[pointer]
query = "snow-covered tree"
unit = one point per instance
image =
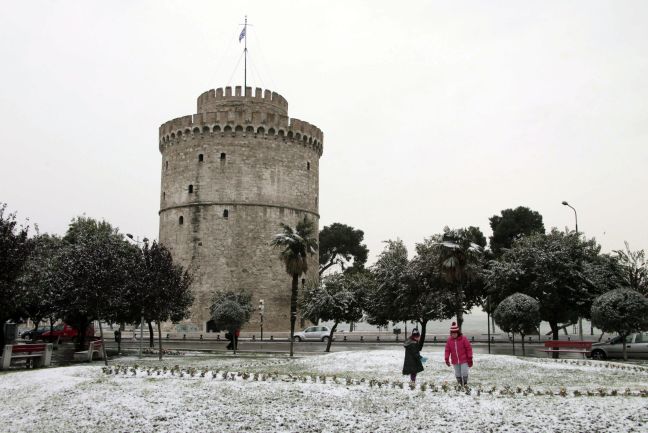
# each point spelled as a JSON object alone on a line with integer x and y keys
{"x": 519, "y": 314}
{"x": 404, "y": 290}
{"x": 35, "y": 291}
{"x": 89, "y": 274}
{"x": 634, "y": 269}
{"x": 14, "y": 250}
{"x": 296, "y": 245}
{"x": 461, "y": 260}
{"x": 560, "y": 270}
{"x": 338, "y": 298}
{"x": 230, "y": 310}
{"x": 389, "y": 281}
{"x": 164, "y": 291}
{"x": 623, "y": 311}
{"x": 428, "y": 295}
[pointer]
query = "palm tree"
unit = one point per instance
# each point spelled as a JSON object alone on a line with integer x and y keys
{"x": 296, "y": 245}
{"x": 460, "y": 265}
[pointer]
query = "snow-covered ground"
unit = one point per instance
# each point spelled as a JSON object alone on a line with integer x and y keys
{"x": 343, "y": 391}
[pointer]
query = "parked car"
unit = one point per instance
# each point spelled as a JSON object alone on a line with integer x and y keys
{"x": 31, "y": 334}
{"x": 313, "y": 333}
{"x": 65, "y": 332}
{"x": 636, "y": 347}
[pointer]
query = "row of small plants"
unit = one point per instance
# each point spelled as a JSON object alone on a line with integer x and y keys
{"x": 599, "y": 364}
{"x": 506, "y": 390}
{"x": 165, "y": 352}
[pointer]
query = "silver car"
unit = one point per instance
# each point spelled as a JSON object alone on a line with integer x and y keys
{"x": 636, "y": 345}
{"x": 313, "y": 333}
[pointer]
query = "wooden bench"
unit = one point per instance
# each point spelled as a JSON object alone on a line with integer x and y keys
{"x": 94, "y": 346}
{"x": 562, "y": 346}
{"x": 36, "y": 355}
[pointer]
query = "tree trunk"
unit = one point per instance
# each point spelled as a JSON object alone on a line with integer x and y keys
{"x": 36, "y": 323}
{"x": 159, "y": 339}
{"x": 151, "y": 335}
{"x": 513, "y": 339}
{"x": 555, "y": 335}
{"x": 601, "y": 337}
{"x": 460, "y": 319}
{"x": 330, "y": 339}
{"x": 625, "y": 353}
{"x": 3, "y": 320}
{"x": 82, "y": 327}
{"x": 421, "y": 342}
{"x": 523, "y": 352}
{"x": 293, "y": 309}
{"x": 232, "y": 332}
{"x": 103, "y": 344}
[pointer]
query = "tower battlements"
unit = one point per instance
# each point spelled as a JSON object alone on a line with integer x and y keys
{"x": 263, "y": 113}
{"x": 222, "y": 99}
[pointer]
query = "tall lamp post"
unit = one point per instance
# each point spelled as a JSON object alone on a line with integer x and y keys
{"x": 580, "y": 319}
{"x": 137, "y": 241}
{"x": 575, "y": 214}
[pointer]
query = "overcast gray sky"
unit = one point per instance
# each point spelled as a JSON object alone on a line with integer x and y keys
{"x": 434, "y": 113}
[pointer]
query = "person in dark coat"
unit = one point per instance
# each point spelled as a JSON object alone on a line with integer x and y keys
{"x": 412, "y": 364}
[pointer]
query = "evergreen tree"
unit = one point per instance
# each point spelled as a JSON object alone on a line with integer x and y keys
{"x": 560, "y": 270}
{"x": 338, "y": 298}
{"x": 14, "y": 251}
{"x": 296, "y": 245}
{"x": 520, "y": 314}
{"x": 511, "y": 225}
{"x": 340, "y": 244}
{"x": 623, "y": 311}
{"x": 231, "y": 310}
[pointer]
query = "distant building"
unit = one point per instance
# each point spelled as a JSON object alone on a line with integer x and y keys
{"x": 230, "y": 174}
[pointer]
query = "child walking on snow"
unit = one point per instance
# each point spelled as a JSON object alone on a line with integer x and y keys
{"x": 459, "y": 351}
{"x": 412, "y": 364}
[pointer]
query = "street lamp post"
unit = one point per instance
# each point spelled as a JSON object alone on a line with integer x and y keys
{"x": 575, "y": 214}
{"x": 137, "y": 241}
{"x": 580, "y": 319}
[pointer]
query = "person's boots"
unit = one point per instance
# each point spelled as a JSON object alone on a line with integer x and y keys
{"x": 459, "y": 381}
{"x": 465, "y": 380}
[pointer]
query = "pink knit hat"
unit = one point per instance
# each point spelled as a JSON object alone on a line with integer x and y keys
{"x": 454, "y": 328}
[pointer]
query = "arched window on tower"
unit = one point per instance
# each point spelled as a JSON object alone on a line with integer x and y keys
{"x": 223, "y": 156}
{"x": 225, "y": 214}
{"x": 166, "y": 165}
{"x": 308, "y": 165}
{"x": 200, "y": 157}
{"x": 181, "y": 220}
{"x": 190, "y": 189}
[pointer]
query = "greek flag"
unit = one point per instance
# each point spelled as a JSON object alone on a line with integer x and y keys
{"x": 242, "y": 35}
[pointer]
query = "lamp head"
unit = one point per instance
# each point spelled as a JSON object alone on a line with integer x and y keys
{"x": 128, "y": 235}
{"x": 565, "y": 203}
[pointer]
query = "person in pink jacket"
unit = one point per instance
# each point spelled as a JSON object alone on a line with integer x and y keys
{"x": 459, "y": 351}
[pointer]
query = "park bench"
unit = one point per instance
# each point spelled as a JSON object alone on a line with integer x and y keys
{"x": 94, "y": 346}
{"x": 36, "y": 355}
{"x": 561, "y": 346}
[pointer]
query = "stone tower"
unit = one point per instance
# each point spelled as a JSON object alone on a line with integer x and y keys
{"x": 230, "y": 174}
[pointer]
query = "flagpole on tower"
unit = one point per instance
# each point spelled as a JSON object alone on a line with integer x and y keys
{"x": 245, "y": 60}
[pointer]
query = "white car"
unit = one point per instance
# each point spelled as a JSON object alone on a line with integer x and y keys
{"x": 636, "y": 346}
{"x": 313, "y": 333}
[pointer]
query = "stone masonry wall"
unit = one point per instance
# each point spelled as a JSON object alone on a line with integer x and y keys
{"x": 232, "y": 181}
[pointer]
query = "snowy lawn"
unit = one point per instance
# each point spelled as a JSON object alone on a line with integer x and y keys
{"x": 342, "y": 391}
